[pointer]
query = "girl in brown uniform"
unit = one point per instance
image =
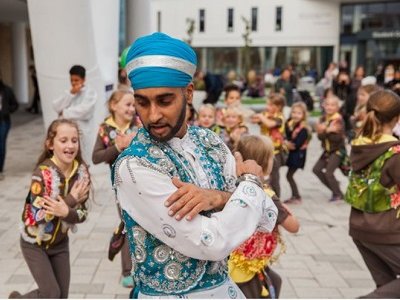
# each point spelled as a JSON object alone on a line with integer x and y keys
{"x": 330, "y": 130}
{"x": 374, "y": 194}
{"x": 115, "y": 134}
{"x": 55, "y": 203}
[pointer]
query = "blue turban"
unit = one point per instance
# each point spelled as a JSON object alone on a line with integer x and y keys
{"x": 158, "y": 60}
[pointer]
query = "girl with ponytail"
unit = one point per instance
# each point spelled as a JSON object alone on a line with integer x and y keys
{"x": 374, "y": 193}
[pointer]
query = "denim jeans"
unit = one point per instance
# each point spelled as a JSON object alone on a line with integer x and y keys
{"x": 4, "y": 128}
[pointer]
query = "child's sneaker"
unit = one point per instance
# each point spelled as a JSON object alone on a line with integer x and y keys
{"x": 336, "y": 199}
{"x": 14, "y": 295}
{"x": 293, "y": 200}
{"x": 127, "y": 282}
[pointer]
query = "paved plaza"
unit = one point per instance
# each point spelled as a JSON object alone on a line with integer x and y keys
{"x": 321, "y": 261}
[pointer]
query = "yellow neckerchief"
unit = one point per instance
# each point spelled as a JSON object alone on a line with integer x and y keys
{"x": 110, "y": 121}
{"x": 75, "y": 165}
{"x": 336, "y": 115}
{"x": 328, "y": 119}
{"x": 292, "y": 124}
{"x": 362, "y": 140}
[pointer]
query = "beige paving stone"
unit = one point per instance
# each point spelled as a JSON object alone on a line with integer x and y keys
{"x": 321, "y": 261}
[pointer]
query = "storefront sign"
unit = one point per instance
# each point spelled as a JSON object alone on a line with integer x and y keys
{"x": 385, "y": 34}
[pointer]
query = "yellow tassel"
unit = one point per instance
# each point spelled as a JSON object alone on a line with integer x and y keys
{"x": 398, "y": 213}
{"x": 264, "y": 292}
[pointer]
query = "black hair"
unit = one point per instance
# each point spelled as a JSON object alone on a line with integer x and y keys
{"x": 78, "y": 70}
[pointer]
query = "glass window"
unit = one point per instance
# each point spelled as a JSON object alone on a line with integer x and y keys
{"x": 375, "y": 16}
{"x": 202, "y": 20}
{"x": 392, "y": 17}
{"x": 278, "y": 19}
{"x": 222, "y": 60}
{"x": 347, "y": 19}
{"x": 230, "y": 19}
{"x": 254, "y": 13}
{"x": 255, "y": 59}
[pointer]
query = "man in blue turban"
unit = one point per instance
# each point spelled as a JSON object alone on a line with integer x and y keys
{"x": 171, "y": 162}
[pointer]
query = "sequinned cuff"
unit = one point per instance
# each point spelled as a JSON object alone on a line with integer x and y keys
{"x": 246, "y": 194}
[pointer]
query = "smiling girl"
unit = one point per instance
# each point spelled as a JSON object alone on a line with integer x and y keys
{"x": 55, "y": 203}
{"x": 115, "y": 134}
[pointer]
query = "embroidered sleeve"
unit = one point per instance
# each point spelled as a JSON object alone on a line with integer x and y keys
{"x": 142, "y": 191}
{"x": 103, "y": 150}
{"x": 76, "y": 215}
{"x": 41, "y": 185}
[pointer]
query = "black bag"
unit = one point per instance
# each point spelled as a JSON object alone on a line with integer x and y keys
{"x": 117, "y": 241}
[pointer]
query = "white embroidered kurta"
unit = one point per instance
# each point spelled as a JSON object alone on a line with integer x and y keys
{"x": 142, "y": 192}
{"x": 80, "y": 108}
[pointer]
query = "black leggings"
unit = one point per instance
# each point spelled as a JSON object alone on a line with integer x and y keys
{"x": 292, "y": 183}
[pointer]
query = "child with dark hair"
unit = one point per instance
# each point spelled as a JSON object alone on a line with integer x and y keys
{"x": 55, "y": 203}
{"x": 78, "y": 104}
{"x": 374, "y": 194}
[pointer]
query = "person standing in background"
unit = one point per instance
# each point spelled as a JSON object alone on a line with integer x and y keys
{"x": 8, "y": 105}
{"x": 78, "y": 104}
{"x": 34, "y": 108}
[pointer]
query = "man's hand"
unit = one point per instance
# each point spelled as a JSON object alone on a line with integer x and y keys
{"x": 247, "y": 167}
{"x": 189, "y": 200}
{"x": 56, "y": 208}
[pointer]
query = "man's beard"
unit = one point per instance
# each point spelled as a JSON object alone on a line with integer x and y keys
{"x": 174, "y": 129}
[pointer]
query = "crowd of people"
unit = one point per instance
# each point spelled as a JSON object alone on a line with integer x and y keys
{"x": 183, "y": 239}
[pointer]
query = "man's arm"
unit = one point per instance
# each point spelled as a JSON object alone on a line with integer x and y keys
{"x": 142, "y": 192}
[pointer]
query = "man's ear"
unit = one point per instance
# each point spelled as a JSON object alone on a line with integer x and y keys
{"x": 189, "y": 93}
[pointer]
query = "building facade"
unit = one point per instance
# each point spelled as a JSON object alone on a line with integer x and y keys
{"x": 370, "y": 34}
{"x": 280, "y": 32}
{"x": 306, "y": 33}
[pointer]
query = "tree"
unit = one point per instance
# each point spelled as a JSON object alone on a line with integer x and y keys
{"x": 190, "y": 30}
{"x": 246, "y": 48}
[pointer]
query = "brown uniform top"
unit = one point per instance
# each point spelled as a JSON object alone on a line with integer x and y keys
{"x": 332, "y": 141}
{"x": 48, "y": 180}
{"x": 105, "y": 149}
{"x": 383, "y": 227}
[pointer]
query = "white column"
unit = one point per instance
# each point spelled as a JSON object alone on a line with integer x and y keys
{"x": 20, "y": 62}
{"x": 71, "y": 32}
{"x": 138, "y": 19}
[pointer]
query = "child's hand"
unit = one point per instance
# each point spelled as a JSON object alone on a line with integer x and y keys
{"x": 235, "y": 135}
{"x": 80, "y": 190}
{"x": 320, "y": 128}
{"x": 334, "y": 127}
{"x": 255, "y": 118}
{"x": 123, "y": 140}
{"x": 290, "y": 145}
{"x": 56, "y": 208}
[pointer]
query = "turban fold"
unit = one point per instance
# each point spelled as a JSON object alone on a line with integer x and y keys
{"x": 158, "y": 60}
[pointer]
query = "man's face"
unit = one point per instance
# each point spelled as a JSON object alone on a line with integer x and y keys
{"x": 163, "y": 111}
